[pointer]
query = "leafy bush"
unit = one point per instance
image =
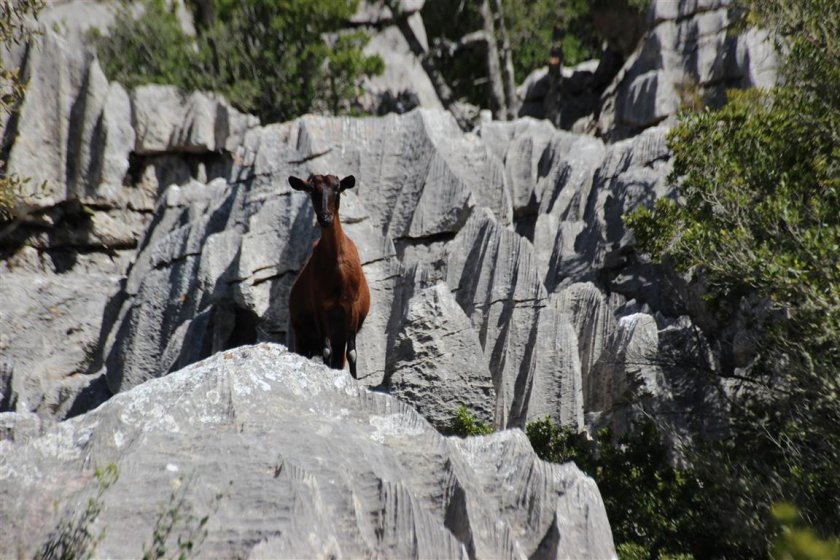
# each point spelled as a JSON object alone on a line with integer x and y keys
{"x": 465, "y": 424}
{"x": 276, "y": 58}
{"x": 652, "y": 506}
{"x": 798, "y": 542}
{"x": 757, "y": 224}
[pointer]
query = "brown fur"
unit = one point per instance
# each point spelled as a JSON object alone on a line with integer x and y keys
{"x": 330, "y": 297}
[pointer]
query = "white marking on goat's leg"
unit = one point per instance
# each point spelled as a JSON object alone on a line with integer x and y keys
{"x": 327, "y": 350}
{"x": 351, "y": 356}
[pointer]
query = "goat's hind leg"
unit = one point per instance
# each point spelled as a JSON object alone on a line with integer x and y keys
{"x": 351, "y": 355}
{"x": 327, "y": 352}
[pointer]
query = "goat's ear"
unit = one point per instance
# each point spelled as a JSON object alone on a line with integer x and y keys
{"x": 348, "y": 182}
{"x": 299, "y": 184}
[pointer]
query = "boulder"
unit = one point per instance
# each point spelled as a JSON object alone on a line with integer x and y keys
{"x": 436, "y": 362}
{"x": 521, "y": 145}
{"x": 285, "y": 458}
{"x": 51, "y": 139}
{"x": 404, "y": 84}
{"x": 492, "y": 272}
{"x": 632, "y": 173}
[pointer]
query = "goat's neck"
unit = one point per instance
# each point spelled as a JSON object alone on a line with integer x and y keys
{"x": 332, "y": 240}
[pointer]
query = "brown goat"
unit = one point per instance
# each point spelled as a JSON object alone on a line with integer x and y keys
{"x": 330, "y": 297}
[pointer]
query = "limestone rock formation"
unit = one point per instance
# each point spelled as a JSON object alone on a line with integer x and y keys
{"x": 288, "y": 459}
{"x": 688, "y": 56}
{"x": 502, "y": 276}
{"x": 436, "y": 361}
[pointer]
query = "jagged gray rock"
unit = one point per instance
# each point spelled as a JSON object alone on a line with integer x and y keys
{"x": 290, "y": 446}
{"x": 520, "y": 144}
{"x": 403, "y": 85}
{"x": 419, "y": 174}
{"x": 167, "y": 120}
{"x": 238, "y": 245}
{"x": 57, "y": 120}
{"x": 493, "y": 273}
{"x": 688, "y": 52}
{"x": 49, "y": 325}
{"x": 593, "y": 323}
{"x": 632, "y": 173}
{"x": 436, "y": 361}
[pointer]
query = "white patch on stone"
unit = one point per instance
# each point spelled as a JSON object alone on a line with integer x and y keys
{"x": 392, "y": 425}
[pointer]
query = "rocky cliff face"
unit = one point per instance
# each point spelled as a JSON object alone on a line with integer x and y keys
{"x": 287, "y": 459}
{"x": 502, "y": 248}
{"x": 687, "y": 55}
{"x": 160, "y": 231}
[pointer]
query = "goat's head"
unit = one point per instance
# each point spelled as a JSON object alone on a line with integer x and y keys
{"x": 325, "y": 191}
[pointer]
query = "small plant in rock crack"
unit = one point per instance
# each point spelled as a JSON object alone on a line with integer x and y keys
{"x": 179, "y": 518}
{"x": 74, "y": 538}
{"x": 464, "y": 424}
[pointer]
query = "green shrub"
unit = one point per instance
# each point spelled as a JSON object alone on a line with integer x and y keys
{"x": 652, "y": 506}
{"x": 757, "y": 225}
{"x": 464, "y": 424}
{"x": 797, "y": 541}
{"x": 277, "y": 59}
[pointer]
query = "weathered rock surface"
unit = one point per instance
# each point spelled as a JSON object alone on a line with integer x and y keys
{"x": 304, "y": 464}
{"x": 489, "y": 254}
{"x": 687, "y": 56}
{"x": 169, "y": 121}
{"x": 436, "y": 361}
{"x": 404, "y": 83}
{"x": 82, "y": 212}
{"x": 49, "y": 329}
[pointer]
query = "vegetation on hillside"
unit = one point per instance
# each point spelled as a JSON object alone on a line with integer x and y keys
{"x": 757, "y": 224}
{"x": 534, "y": 28}
{"x": 277, "y": 59}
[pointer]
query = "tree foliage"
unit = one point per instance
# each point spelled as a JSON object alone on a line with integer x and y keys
{"x": 654, "y": 508}
{"x": 530, "y": 25}
{"x": 276, "y": 58}
{"x": 533, "y": 27}
{"x": 757, "y": 224}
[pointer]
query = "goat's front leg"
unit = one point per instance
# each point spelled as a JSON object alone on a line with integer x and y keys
{"x": 327, "y": 353}
{"x": 351, "y": 355}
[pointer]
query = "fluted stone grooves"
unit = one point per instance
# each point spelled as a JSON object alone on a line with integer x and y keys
{"x": 492, "y": 273}
{"x": 436, "y": 361}
{"x": 418, "y": 174}
{"x": 689, "y": 51}
{"x": 305, "y": 464}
